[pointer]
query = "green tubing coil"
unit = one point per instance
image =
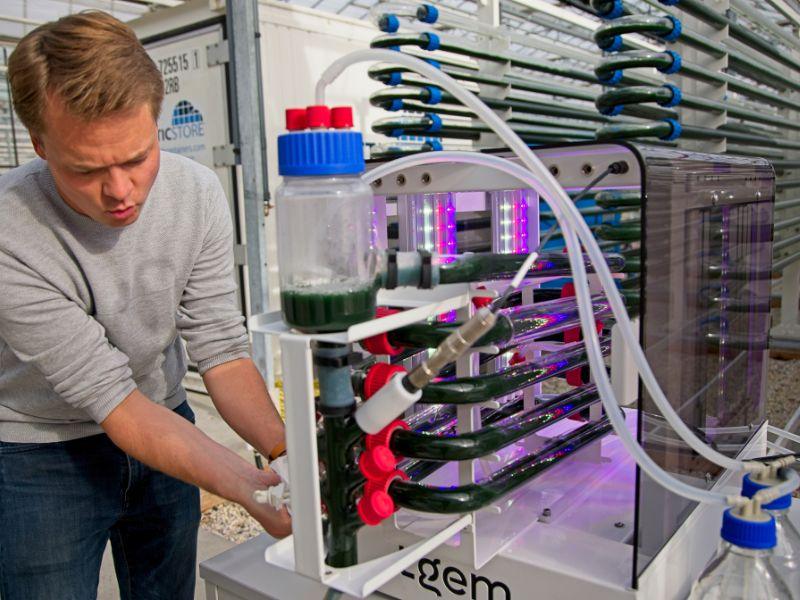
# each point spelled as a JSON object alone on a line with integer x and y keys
{"x": 632, "y": 265}
{"x": 430, "y": 335}
{"x": 493, "y": 437}
{"x": 421, "y": 40}
{"x": 474, "y": 496}
{"x": 618, "y": 198}
{"x": 625, "y": 231}
{"x": 472, "y": 390}
{"x": 514, "y": 325}
{"x": 490, "y": 266}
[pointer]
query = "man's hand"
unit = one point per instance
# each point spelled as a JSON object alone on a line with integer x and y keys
{"x": 169, "y": 443}
{"x": 278, "y": 523}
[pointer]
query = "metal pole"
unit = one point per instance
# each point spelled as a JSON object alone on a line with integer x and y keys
{"x": 250, "y": 141}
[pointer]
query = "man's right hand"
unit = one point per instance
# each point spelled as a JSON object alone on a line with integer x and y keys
{"x": 277, "y": 523}
{"x": 171, "y": 444}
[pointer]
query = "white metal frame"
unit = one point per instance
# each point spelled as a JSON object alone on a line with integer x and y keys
{"x": 303, "y": 551}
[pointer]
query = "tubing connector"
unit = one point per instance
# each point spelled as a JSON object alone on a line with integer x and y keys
{"x": 376, "y": 505}
{"x": 379, "y": 344}
{"x": 413, "y": 269}
{"x": 615, "y": 11}
{"x": 389, "y": 23}
{"x": 377, "y": 376}
{"x": 454, "y": 345}
{"x": 389, "y": 402}
{"x": 428, "y": 13}
{"x": 384, "y": 436}
{"x": 377, "y": 462}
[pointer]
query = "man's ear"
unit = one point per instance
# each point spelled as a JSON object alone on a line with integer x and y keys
{"x": 38, "y": 146}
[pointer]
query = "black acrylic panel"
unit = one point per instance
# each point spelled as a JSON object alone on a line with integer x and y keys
{"x": 707, "y": 252}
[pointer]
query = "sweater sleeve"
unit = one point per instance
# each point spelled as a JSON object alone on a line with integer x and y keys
{"x": 45, "y": 328}
{"x": 209, "y": 319}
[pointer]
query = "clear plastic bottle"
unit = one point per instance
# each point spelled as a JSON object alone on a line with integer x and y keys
{"x": 327, "y": 267}
{"x": 741, "y": 569}
{"x": 786, "y": 557}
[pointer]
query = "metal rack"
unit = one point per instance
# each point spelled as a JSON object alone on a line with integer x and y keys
{"x": 717, "y": 76}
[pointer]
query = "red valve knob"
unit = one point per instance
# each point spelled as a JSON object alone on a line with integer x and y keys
{"x": 341, "y": 117}
{"x": 377, "y": 462}
{"x": 318, "y": 116}
{"x": 374, "y": 507}
{"x": 379, "y": 375}
{"x": 296, "y": 119}
{"x": 380, "y": 344}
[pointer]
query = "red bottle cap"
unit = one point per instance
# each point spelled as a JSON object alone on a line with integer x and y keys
{"x": 318, "y": 117}
{"x": 341, "y": 117}
{"x": 379, "y": 375}
{"x": 296, "y": 119}
{"x": 384, "y": 435}
{"x": 377, "y": 462}
{"x": 379, "y": 344}
{"x": 374, "y": 507}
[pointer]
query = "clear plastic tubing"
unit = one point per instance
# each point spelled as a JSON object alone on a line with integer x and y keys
{"x": 571, "y": 223}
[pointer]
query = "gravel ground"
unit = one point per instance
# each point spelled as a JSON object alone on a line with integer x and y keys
{"x": 230, "y": 521}
{"x": 233, "y": 523}
{"x": 783, "y": 391}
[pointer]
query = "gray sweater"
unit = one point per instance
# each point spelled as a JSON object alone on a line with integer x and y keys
{"x": 88, "y": 313}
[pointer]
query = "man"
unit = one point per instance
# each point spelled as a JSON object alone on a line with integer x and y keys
{"x": 110, "y": 253}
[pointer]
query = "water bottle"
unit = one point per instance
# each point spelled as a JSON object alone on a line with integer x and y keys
{"x": 328, "y": 271}
{"x": 741, "y": 568}
{"x": 786, "y": 557}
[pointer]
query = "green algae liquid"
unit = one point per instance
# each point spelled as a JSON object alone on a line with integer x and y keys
{"x": 328, "y": 308}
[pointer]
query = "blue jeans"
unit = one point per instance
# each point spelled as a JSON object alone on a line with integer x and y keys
{"x": 61, "y": 502}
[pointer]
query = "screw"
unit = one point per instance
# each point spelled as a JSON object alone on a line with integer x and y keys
{"x": 377, "y": 183}
{"x": 587, "y": 169}
{"x": 546, "y": 512}
{"x": 426, "y": 178}
{"x": 401, "y": 180}
{"x": 554, "y": 170}
{"x": 619, "y": 524}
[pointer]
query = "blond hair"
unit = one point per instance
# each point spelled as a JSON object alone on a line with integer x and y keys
{"x": 91, "y": 61}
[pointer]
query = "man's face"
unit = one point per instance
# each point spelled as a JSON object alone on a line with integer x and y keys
{"x": 103, "y": 168}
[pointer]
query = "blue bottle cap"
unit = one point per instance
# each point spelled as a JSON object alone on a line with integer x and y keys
{"x": 749, "y": 533}
{"x": 750, "y": 487}
{"x": 315, "y": 153}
